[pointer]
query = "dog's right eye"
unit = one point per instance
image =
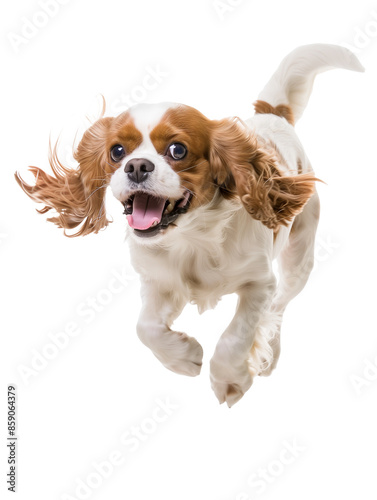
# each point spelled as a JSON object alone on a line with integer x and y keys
{"x": 177, "y": 151}
{"x": 117, "y": 152}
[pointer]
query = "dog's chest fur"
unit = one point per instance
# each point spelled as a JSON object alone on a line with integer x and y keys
{"x": 214, "y": 251}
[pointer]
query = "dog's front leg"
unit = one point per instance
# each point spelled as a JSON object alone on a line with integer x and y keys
{"x": 231, "y": 376}
{"x": 176, "y": 350}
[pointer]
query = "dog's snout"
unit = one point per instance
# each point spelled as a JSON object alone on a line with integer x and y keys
{"x": 138, "y": 169}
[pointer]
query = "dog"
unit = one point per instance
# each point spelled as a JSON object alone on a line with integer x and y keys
{"x": 210, "y": 204}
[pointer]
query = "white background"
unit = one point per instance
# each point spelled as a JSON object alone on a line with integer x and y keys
{"x": 74, "y": 412}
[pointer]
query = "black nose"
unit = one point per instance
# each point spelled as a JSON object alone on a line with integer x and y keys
{"x": 138, "y": 169}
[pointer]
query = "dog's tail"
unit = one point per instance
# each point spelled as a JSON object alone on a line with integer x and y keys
{"x": 288, "y": 90}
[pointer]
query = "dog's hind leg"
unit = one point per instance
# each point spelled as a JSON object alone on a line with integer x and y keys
{"x": 295, "y": 265}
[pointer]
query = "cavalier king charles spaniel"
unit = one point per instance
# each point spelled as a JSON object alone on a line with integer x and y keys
{"x": 210, "y": 204}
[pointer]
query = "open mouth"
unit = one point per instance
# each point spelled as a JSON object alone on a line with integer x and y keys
{"x": 148, "y": 214}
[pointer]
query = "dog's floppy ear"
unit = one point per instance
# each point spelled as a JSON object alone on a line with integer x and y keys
{"x": 241, "y": 167}
{"x": 77, "y": 195}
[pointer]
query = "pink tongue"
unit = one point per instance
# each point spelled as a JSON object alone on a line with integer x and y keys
{"x": 146, "y": 210}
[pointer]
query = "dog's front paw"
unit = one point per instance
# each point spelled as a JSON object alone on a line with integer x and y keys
{"x": 227, "y": 392}
{"x": 182, "y": 354}
{"x": 177, "y": 351}
{"x": 228, "y": 383}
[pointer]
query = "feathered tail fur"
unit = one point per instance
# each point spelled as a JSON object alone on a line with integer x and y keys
{"x": 291, "y": 84}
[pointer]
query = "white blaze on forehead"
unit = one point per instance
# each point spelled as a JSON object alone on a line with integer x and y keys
{"x": 147, "y": 116}
{"x": 163, "y": 182}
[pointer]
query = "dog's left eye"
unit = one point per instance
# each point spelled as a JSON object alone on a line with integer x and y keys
{"x": 117, "y": 152}
{"x": 177, "y": 151}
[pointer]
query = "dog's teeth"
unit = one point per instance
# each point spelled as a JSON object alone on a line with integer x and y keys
{"x": 154, "y": 223}
{"x": 170, "y": 207}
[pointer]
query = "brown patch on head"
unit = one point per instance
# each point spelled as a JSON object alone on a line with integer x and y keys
{"x": 124, "y": 132}
{"x": 282, "y": 110}
{"x": 191, "y": 128}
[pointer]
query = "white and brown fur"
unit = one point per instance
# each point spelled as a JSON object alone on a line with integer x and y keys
{"x": 254, "y": 200}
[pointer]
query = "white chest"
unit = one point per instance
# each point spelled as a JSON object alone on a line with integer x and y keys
{"x": 203, "y": 263}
